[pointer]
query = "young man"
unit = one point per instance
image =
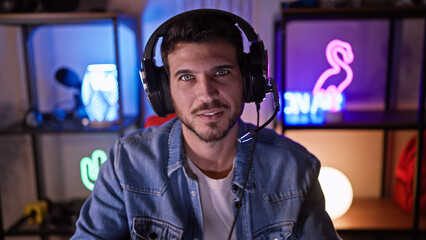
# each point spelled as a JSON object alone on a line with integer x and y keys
{"x": 185, "y": 179}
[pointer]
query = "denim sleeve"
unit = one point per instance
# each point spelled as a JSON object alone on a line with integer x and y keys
{"x": 103, "y": 215}
{"x": 314, "y": 222}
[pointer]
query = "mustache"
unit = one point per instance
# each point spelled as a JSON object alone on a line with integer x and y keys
{"x": 210, "y": 105}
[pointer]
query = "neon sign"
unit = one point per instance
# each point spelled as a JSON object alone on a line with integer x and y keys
{"x": 304, "y": 102}
{"x": 332, "y": 92}
{"x": 89, "y": 168}
{"x": 303, "y": 107}
{"x": 307, "y": 107}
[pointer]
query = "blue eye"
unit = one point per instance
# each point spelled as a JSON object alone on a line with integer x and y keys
{"x": 222, "y": 72}
{"x": 186, "y": 77}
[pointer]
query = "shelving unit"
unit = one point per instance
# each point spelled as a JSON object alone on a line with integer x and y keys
{"x": 377, "y": 217}
{"x": 28, "y": 23}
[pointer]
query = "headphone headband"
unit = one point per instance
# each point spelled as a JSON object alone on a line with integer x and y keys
{"x": 248, "y": 30}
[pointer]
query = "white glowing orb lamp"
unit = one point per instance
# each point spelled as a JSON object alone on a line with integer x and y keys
{"x": 99, "y": 93}
{"x": 337, "y": 190}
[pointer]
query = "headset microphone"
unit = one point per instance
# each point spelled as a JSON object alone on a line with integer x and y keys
{"x": 251, "y": 133}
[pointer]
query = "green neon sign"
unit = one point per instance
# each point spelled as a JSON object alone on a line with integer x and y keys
{"x": 89, "y": 168}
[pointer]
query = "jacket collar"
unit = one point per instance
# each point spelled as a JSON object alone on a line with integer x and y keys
{"x": 177, "y": 153}
{"x": 242, "y": 158}
{"x": 175, "y": 144}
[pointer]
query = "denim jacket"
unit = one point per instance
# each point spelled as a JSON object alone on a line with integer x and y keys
{"x": 145, "y": 190}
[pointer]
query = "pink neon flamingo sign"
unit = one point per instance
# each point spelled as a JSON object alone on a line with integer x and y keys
{"x": 337, "y": 63}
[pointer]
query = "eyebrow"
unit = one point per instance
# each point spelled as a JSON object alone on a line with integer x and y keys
{"x": 220, "y": 67}
{"x": 214, "y": 69}
{"x": 183, "y": 71}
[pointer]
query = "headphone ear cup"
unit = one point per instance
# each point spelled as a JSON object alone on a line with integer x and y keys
{"x": 155, "y": 82}
{"x": 247, "y": 85}
{"x": 165, "y": 86}
{"x": 254, "y": 69}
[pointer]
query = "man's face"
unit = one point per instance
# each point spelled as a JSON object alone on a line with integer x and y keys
{"x": 206, "y": 87}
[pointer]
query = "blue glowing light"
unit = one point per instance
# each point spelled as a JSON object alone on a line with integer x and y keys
{"x": 305, "y": 108}
{"x": 99, "y": 93}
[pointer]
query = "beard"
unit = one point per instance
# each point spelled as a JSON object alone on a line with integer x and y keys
{"x": 214, "y": 131}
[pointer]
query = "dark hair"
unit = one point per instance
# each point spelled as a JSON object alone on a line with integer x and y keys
{"x": 201, "y": 27}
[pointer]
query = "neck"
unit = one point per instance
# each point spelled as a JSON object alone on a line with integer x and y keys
{"x": 215, "y": 159}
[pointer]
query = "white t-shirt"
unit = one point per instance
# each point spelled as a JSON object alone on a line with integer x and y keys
{"x": 216, "y": 202}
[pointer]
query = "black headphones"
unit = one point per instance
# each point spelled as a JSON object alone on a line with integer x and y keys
{"x": 254, "y": 70}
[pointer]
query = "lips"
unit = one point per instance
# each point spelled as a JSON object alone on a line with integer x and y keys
{"x": 210, "y": 108}
{"x": 211, "y": 111}
{"x": 211, "y": 115}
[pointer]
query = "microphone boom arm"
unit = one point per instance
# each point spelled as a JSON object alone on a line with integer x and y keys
{"x": 250, "y": 134}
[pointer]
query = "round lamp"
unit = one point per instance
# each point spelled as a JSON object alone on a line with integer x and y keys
{"x": 337, "y": 190}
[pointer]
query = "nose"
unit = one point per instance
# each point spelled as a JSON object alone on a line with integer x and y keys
{"x": 206, "y": 89}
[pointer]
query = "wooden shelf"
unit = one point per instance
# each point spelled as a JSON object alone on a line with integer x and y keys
{"x": 376, "y": 214}
{"x": 57, "y": 18}
{"x": 28, "y": 23}
{"x": 354, "y": 13}
{"x": 68, "y": 126}
{"x": 363, "y": 120}
{"x": 60, "y": 220}
{"x": 367, "y": 217}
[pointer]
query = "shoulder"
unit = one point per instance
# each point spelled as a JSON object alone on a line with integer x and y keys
{"x": 285, "y": 148}
{"x": 278, "y": 147}
{"x": 149, "y": 133}
{"x": 145, "y": 155}
{"x": 153, "y": 141}
{"x": 283, "y": 168}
